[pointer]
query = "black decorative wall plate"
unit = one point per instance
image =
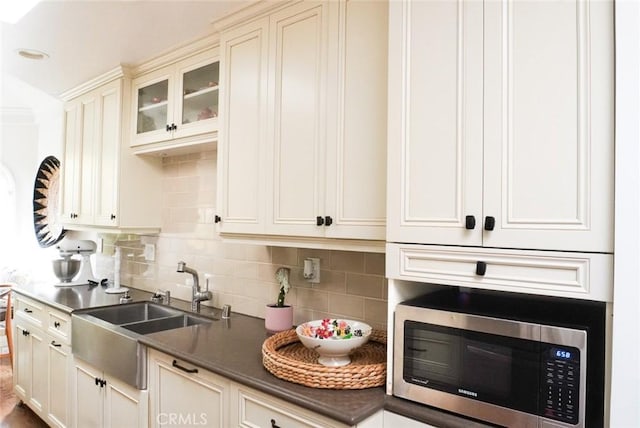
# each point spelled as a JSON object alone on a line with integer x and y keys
{"x": 48, "y": 228}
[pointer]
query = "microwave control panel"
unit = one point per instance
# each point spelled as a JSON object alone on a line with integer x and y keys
{"x": 560, "y": 383}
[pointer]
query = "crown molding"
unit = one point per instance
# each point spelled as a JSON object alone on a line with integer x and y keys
{"x": 115, "y": 73}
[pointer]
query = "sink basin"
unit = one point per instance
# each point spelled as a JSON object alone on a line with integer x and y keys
{"x": 170, "y": 323}
{"x": 107, "y": 337}
{"x": 132, "y": 312}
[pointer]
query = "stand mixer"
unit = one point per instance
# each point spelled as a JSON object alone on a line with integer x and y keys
{"x": 68, "y": 248}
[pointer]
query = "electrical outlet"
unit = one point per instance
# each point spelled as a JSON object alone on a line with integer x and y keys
{"x": 311, "y": 270}
{"x": 149, "y": 252}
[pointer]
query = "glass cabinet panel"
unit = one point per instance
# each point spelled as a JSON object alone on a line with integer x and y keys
{"x": 200, "y": 93}
{"x": 152, "y": 107}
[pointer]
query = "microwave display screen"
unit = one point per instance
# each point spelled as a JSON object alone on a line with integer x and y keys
{"x": 491, "y": 368}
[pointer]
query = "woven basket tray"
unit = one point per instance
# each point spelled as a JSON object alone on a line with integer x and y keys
{"x": 285, "y": 357}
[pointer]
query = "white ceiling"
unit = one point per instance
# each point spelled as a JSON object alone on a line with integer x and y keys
{"x": 85, "y": 38}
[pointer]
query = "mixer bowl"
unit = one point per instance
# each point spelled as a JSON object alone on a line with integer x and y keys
{"x": 66, "y": 269}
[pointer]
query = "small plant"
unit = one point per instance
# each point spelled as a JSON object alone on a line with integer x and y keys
{"x": 282, "y": 275}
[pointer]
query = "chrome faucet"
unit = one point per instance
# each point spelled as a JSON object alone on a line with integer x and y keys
{"x": 197, "y": 295}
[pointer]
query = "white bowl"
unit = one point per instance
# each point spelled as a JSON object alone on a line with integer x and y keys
{"x": 334, "y": 350}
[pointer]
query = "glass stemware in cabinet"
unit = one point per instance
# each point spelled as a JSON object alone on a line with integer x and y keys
{"x": 152, "y": 107}
{"x": 200, "y": 93}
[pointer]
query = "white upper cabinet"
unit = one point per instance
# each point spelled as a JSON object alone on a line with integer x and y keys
{"x": 243, "y": 118}
{"x": 357, "y": 162}
{"x": 177, "y": 104}
{"x": 296, "y": 124}
{"x": 501, "y": 124}
{"x": 104, "y": 185}
{"x": 303, "y": 123}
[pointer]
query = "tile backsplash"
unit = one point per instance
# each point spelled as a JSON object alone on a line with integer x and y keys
{"x": 352, "y": 284}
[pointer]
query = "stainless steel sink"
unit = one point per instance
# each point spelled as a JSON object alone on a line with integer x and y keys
{"x": 133, "y": 312}
{"x": 107, "y": 337}
{"x": 170, "y": 323}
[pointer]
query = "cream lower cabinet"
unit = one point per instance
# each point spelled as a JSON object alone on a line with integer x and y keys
{"x": 100, "y": 400}
{"x": 42, "y": 360}
{"x": 303, "y": 122}
{"x": 30, "y": 366}
{"x": 393, "y": 420}
{"x": 250, "y": 408}
{"x": 185, "y": 395}
{"x": 501, "y": 133}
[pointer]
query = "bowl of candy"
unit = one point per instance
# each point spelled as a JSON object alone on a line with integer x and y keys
{"x": 333, "y": 339}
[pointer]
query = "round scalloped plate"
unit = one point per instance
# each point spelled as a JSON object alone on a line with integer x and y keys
{"x": 46, "y": 221}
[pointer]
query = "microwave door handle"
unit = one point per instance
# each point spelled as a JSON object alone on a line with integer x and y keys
{"x": 485, "y": 353}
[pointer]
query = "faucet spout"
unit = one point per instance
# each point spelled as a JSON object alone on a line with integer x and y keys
{"x": 197, "y": 295}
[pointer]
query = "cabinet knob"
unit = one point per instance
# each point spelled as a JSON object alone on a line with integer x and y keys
{"x": 25, "y": 332}
{"x": 319, "y": 221}
{"x": 489, "y": 223}
{"x": 113, "y": 216}
{"x": 470, "y": 222}
{"x": 481, "y": 268}
{"x": 57, "y": 345}
{"x": 273, "y": 424}
{"x": 328, "y": 221}
{"x": 217, "y": 219}
{"x": 174, "y": 126}
{"x": 56, "y": 324}
{"x": 168, "y": 128}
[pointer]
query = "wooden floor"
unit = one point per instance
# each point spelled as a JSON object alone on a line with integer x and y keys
{"x": 12, "y": 413}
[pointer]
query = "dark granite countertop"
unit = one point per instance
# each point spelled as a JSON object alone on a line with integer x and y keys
{"x": 232, "y": 348}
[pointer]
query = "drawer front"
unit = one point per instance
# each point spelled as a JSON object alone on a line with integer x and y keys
{"x": 59, "y": 325}
{"x": 258, "y": 410}
{"x": 29, "y": 310}
{"x": 578, "y": 275}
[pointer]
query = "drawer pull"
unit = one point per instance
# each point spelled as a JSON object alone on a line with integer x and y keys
{"x": 27, "y": 310}
{"x": 184, "y": 369}
{"x": 481, "y": 268}
{"x": 57, "y": 345}
{"x": 56, "y": 324}
{"x": 273, "y": 424}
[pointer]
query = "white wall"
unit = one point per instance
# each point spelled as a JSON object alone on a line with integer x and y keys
{"x": 625, "y": 394}
{"x": 31, "y": 129}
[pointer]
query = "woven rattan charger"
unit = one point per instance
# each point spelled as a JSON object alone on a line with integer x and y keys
{"x": 286, "y": 358}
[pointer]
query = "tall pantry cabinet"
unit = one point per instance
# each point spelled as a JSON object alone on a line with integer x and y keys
{"x": 501, "y": 124}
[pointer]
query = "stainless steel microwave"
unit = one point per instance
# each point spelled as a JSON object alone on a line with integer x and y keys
{"x": 512, "y": 360}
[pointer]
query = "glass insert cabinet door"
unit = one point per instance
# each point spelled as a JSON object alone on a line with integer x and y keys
{"x": 153, "y": 107}
{"x": 200, "y": 93}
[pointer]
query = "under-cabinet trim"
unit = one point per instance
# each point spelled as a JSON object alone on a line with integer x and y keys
{"x": 576, "y": 275}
